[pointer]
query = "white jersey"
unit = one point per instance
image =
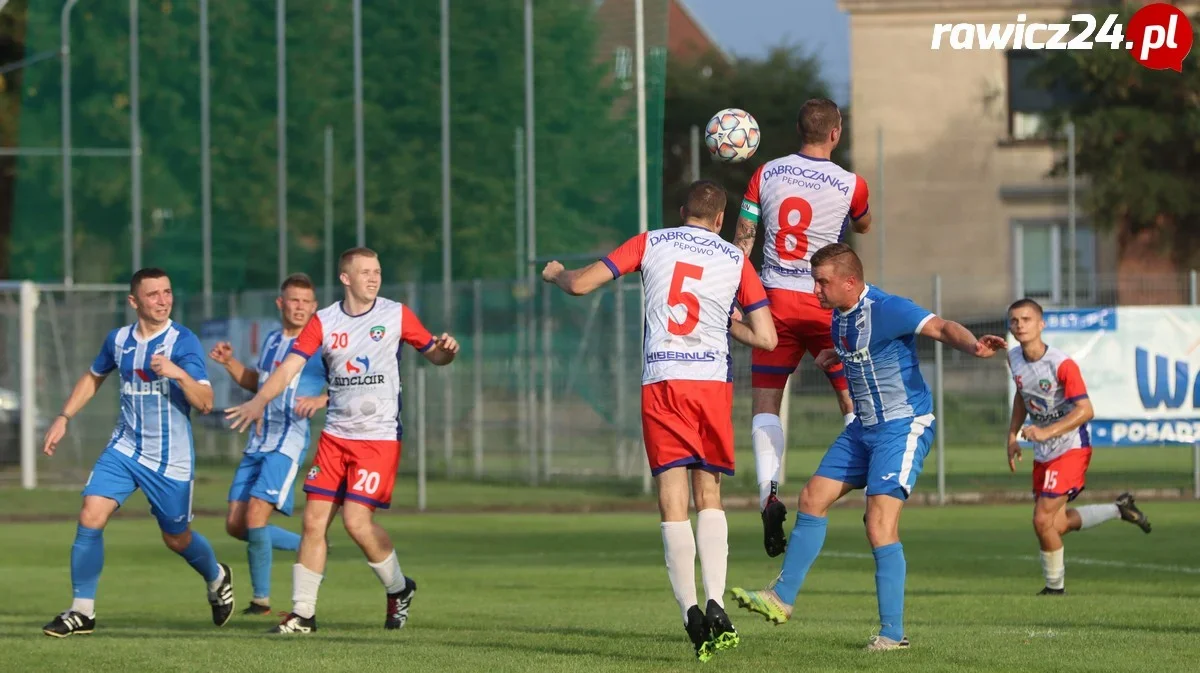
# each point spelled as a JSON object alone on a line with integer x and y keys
{"x": 691, "y": 278}
{"x": 1050, "y": 387}
{"x": 805, "y": 205}
{"x": 362, "y": 358}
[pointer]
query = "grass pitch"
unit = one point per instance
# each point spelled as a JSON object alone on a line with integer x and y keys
{"x": 589, "y": 592}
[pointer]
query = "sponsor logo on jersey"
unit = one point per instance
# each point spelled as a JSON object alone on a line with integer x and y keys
{"x": 145, "y": 386}
{"x": 699, "y": 244}
{"x": 358, "y": 369}
{"x": 377, "y": 332}
{"x": 682, "y": 356}
{"x": 806, "y": 177}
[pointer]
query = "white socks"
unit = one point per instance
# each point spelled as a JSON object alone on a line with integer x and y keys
{"x": 1094, "y": 515}
{"x": 712, "y": 542}
{"x": 85, "y": 607}
{"x": 216, "y": 584}
{"x": 305, "y": 584}
{"x": 388, "y": 572}
{"x": 766, "y": 434}
{"x": 1053, "y": 568}
{"x": 680, "y": 550}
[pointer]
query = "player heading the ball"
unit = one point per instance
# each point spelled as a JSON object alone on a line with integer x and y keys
{"x": 359, "y": 338}
{"x": 692, "y": 278}
{"x": 160, "y": 365}
{"x": 805, "y": 202}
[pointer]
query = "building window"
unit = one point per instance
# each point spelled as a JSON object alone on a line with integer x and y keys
{"x": 1028, "y": 102}
{"x": 1042, "y": 261}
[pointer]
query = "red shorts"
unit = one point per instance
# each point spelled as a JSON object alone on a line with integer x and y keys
{"x": 688, "y": 423}
{"x": 1061, "y": 476}
{"x": 802, "y": 325}
{"x": 359, "y": 470}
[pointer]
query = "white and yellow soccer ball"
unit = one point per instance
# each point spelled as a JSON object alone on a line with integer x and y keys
{"x": 732, "y": 135}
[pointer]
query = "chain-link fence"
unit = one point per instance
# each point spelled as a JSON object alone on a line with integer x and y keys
{"x": 547, "y": 389}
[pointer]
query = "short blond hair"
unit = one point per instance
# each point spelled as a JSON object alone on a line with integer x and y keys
{"x": 348, "y": 257}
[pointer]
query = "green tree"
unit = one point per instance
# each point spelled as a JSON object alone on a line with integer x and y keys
{"x": 586, "y": 182}
{"x": 770, "y": 89}
{"x": 1138, "y": 145}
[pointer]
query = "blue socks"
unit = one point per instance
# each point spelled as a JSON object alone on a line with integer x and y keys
{"x": 258, "y": 553}
{"x": 283, "y": 539}
{"x": 808, "y": 536}
{"x": 890, "y": 569}
{"x": 200, "y": 556}
{"x": 87, "y": 560}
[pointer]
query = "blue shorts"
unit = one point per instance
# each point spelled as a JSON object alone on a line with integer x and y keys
{"x": 116, "y": 476}
{"x": 268, "y": 476}
{"x": 885, "y": 458}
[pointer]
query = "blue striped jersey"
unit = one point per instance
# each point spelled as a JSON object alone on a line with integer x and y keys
{"x": 154, "y": 426}
{"x": 877, "y": 343}
{"x": 282, "y": 429}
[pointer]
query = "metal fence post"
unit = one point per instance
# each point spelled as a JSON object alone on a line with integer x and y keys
{"x": 939, "y": 392}
{"x": 28, "y": 327}
{"x": 422, "y": 423}
{"x": 477, "y": 412}
{"x": 547, "y": 381}
{"x": 619, "y": 372}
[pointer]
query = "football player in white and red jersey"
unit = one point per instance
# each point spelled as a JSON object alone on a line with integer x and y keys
{"x": 360, "y": 339}
{"x": 692, "y": 279}
{"x": 1052, "y": 395}
{"x": 805, "y": 202}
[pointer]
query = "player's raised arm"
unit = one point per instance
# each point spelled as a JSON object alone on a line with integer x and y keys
{"x": 1014, "y": 430}
{"x": 960, "y": 338}
{"x": 625, "y": 259}
{"x": 304, "y": 347}
{"x": 242, "y": 375}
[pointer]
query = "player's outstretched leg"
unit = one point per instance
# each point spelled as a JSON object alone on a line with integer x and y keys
{"x": 767, "y": 437}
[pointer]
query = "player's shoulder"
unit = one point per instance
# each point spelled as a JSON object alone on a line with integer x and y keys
{"x": 119, "y": 334}
{"x": 1058, "y": 357}
{"x": 1016, "y": 356}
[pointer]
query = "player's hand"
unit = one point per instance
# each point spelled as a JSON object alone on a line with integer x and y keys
{"x": 1014, "y": 454}
{"x": 1033, "y": 433}
{"x": 550, "y": 273}
{"x": 222, "y": 353}
{"x": 736, "y": 316}
{"x": 241, "y": 416}
{"x": 988, "y": 345}
{"x": 828, "y": 359}
{"x": 447, "y": 343}
{"x": 162, "y": 365}
{"x": 54, "y": 435}
{"x": 306, "y": 407}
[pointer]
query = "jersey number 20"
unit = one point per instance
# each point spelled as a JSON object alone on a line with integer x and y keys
{"x": 677, "y": 296}
{"x": 795, "y": 216}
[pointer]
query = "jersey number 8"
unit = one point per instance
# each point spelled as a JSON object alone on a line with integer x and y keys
{"x": 795, "y": 216}
{"x": 677, "y": 296}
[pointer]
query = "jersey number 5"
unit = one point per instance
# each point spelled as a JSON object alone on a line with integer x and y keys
{"x": 795, "y": 216}
{"x": 677, "y": 296}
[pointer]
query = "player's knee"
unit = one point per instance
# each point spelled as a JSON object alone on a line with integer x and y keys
{"x": 881, "y": 530}
{"x": 1043, "y": 522}
{"x": 177, "y": 542}
{"x": 358, "y": 528}
{"x": 91, "y": 518}
{"x": 235, "y": 528}
{"x": 813, "y": 502}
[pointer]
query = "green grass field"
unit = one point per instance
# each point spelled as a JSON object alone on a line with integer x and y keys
{"x": 589, "y": 592}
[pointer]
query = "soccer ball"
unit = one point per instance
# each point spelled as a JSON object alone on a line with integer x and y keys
{"x": 732, "y": 135}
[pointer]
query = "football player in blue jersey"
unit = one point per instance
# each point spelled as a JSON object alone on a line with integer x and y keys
{"x": 884, "y": 448}
{"x": 265, "y": 479}
{"x": 160, "y": 365}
